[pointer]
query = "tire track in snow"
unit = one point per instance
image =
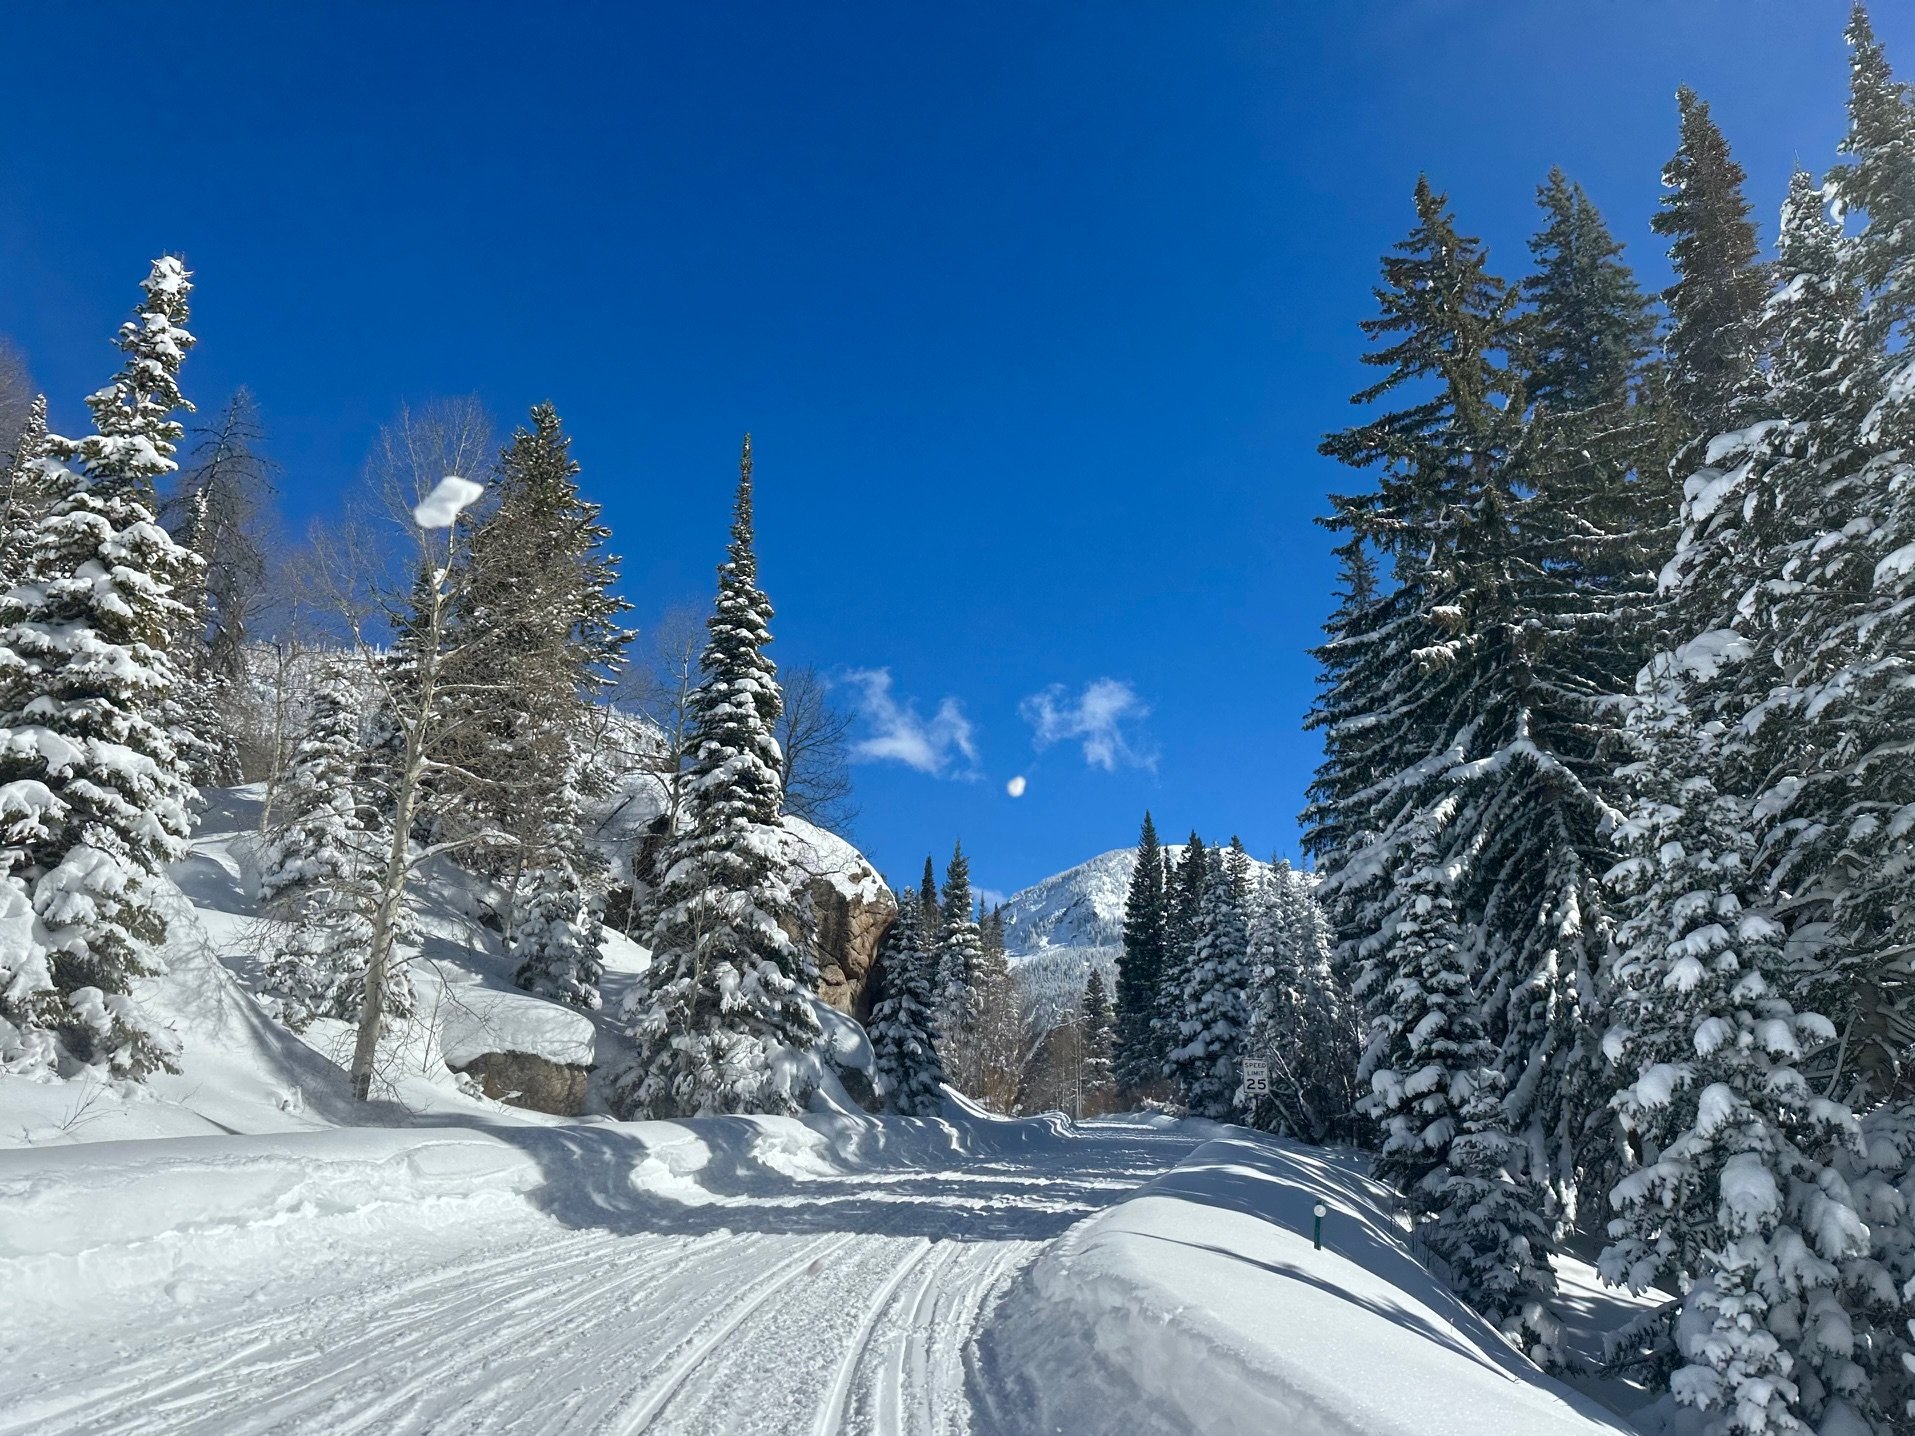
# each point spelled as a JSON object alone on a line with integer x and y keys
{"x": 831, "y": 1415}
{"x": 785, "y": 1275}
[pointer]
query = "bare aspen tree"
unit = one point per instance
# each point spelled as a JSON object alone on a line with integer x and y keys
{"x": 813, "y": 735}
{"x": 418, "y": 479}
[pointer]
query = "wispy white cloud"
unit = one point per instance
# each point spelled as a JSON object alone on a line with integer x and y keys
{"x": 895, "y": 732}
{"x": 1103, "y": 719}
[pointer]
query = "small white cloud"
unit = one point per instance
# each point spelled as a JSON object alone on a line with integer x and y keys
{"x": 990, "y": 897}
{"x": 1016, "y": 786}
{"x": 1102, "y": 718}
{"x": 897, "y": 733}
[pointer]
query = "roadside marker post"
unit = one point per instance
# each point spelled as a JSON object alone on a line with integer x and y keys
{"x": 1317, "y": 1235}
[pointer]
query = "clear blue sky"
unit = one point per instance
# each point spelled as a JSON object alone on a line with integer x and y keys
{"x": 1036, "y": 311}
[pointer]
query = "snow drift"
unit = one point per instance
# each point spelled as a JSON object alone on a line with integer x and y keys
{"x": 1198, "y": 1303}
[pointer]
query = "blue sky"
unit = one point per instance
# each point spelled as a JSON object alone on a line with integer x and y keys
{"x": 1036, "y": 311}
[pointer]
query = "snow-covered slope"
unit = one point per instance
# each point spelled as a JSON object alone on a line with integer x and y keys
{"x": 1199, "y": 1302}
{"x": 243, "y": 1072}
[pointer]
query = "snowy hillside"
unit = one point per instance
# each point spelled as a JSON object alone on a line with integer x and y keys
{"x": 242, "y": 1071}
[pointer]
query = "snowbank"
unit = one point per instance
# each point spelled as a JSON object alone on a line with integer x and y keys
{"x": 1199, "y": 1304}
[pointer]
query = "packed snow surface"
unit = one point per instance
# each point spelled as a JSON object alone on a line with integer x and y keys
{"x": 772, "y": 1275}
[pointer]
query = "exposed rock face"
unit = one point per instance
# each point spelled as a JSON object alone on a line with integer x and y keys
{"x": 847, "y": 908}
{"x": 521, "y": 1079}
{"x": 845, "y": 945}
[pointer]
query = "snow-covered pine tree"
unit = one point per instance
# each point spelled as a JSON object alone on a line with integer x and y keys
{"x": 930, "y": 915}
{"x": 1601, "y": 515}
{"x": 198, "y": 714}
{"x": 1734, "y": 1201}
{"x": 1203, "y": 1065}
{"x": 1588, "y": 326}
{"x": 1830, "y": 620}
{"x": 726, "y": 1001}
{"x": 1434, "y": 1090}
{"x": 319, "y": 867}
{"x": 1879, "y": 183}
{"x": 1459, "y": 696}
{"x": 219, "y": 510}
{"x": 1138, "y": 1063}
{"x": 1738, "y": 1196}
{"x": 961, "y": 992}
{"x": 1711, "y": 345}
{"x": 1300, "y": 1020}
{"x": 1184, "y": 881}
{"x": 1000, "y": 1032}
{"x": 1487, "y": 1231}
{"x": 903, "y": 1035}
{"x": 1354, "y": 681}
{"x": 97, "y": 805}
{"x": 23, "y": 495}
{"x": 539, "y": 621}
{"x": 540, "y": 618}
{"x": 224, "y": 497}
{"x": 1424, "y": 1048}
{"x": 555, "y": 929}
{"x": 1097, "y": 1024}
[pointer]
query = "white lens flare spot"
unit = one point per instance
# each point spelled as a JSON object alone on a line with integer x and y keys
{"x": 1016, "y": 786}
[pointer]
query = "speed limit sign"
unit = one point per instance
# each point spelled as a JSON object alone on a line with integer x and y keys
{"x": 1256, "y": 1078}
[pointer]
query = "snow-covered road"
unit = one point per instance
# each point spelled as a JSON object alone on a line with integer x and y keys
{"x": 584, "y": 1302}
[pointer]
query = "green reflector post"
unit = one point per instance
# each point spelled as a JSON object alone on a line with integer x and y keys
{"x": 1317, "y": 1236}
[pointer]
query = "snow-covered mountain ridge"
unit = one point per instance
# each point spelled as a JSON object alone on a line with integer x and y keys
{"x": 1057, "y": 930}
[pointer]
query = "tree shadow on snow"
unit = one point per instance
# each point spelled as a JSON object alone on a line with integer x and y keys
{"x": 733, "y": 1174}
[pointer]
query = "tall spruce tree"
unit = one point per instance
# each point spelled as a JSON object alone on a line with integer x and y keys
{"x": 903, "y": 1026}
{"x": 930, "y": 915}
{"x": 999, "y": 1039}
{"x": 961, "y": 992}
{"x": 541, "y": 624}
{"x": 1711, "y": 344}
{"x": 1459, "y": 875}
{"x": 97, "y": 802}
{"x": 1300, "y": 1020}
{"x": 1734, "y": 1200}
{"x": 1203, "y": 1064}
{"x": 728, "y": 991}
{"x": 1879, "y": 183}
{"x": 1097, "y": 1023}
{"x": 1588, "y": 325}
{"x": 1463, "y": 708}
{"x": 1184, "y": 881}
{"x": 1138, "y": 1060}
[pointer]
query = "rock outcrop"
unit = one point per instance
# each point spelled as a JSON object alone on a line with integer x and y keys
{"x": 847, "y": 907}
{"x": 522, "y": 1050}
